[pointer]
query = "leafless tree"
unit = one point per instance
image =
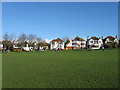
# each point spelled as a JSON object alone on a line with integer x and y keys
{"x": 31, "y": 38}
{"x": 6, "y": 37}
{"x": 39, "y": 39}
{"x": 12, "y": 37}
{"x": 22, "y": 38}
{"x": 66, "y": 40}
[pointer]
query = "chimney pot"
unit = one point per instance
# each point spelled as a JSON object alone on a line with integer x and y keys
{"x": 102, "y": 37}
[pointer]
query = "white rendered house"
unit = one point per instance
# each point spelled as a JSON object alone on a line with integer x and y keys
{"x": 57, "y": 44}
{"x": 110, "y": 39}
{"x": 78, "y": 43}
{"x": 94, "y": 43}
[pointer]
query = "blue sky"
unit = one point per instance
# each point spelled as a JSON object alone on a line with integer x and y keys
{"x": 51, "y": 20}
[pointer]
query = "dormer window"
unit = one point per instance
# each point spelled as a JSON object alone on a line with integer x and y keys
{"x": 77, "y": 39}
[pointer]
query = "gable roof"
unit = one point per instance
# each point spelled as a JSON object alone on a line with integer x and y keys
{"x": 57, "y": 40}
{"x": 42, "y": 44}
{"x": 94, "y": 38}
{"x": 110, "y": 37}
{"x": 78, "y": 39}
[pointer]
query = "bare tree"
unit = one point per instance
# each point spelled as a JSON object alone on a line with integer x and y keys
{"x": 31, "y": 38}
{"x": 6, "y": 37}
{"x": 66, "y": 40}
{"x": 22, "y": 38}
{"x": 12, "y": 37}
{"x": 39, "y": 39}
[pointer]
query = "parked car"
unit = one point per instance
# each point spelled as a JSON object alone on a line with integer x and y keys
{"x": 60, "y": 49}
{"x": 17, "y": 49}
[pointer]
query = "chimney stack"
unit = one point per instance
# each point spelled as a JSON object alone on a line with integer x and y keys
{"x": 99, "y": 37}
{"x": 116, "y": 36}
{"x": 87, "y": 37}
{"x": 102, "y": 37}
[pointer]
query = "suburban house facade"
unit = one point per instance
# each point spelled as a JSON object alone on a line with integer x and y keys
{"x": 57, "y": 44}
{"x": 110, "y": 39}
{"x": 76, "y": 43}
{"x": 42, "y": 46}
{"x": 94, "y": 43}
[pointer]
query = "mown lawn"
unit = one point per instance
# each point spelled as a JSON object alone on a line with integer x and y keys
{"x": 61, "y": 69}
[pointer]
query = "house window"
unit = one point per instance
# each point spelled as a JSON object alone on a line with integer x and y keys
{"x": 59, "y": 42}
{"x": 91, "y": 41}
{"x": 82, "y": 43}
{"x": 96, "y": 42}
{"x": 74, "y": 43}
{"x": 53, "y": 42}
{"x": 99, "y": 41}
{"x": 77, "y": 39}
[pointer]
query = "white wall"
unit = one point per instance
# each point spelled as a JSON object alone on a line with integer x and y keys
{"x": 1, "y": 45}
{"x": 79, "y": 43}
{"x": 116, "y": 40}
{"x": 56, "y": 45}
{"x": 99, "y": 44}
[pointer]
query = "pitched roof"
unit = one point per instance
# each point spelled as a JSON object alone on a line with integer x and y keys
{"x": 5, "y": 42}
{"x": 78, "y": 39}
{"x": 42, "y": 44}
{"x": 57, "y": 40}
{"x": 94, "y": 38}
{"x": 110, "y": 37}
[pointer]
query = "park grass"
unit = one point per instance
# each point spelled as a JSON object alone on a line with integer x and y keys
{"x": 61, "y": 69}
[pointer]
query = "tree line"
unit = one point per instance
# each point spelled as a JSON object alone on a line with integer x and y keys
{"x": 24, "y": 39}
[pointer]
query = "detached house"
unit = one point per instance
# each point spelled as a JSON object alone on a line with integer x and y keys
{"x": 76, "y": 43}
{"x": 110, "y": 39}
{"x": 57, "y": 44}
{"x": 94, "y": 43}
{"x": 42, "y": 46}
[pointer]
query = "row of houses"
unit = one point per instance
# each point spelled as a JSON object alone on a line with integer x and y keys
{"x": 80, "y": 43}
{"x": 58, "y": 44}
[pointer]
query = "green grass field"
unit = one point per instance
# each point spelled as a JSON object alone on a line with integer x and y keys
{"x": 61, "y": 69}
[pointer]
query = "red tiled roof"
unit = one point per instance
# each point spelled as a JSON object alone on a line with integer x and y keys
{"x": 79, "y": 39}
{"x": 110, "y": 37}
{"x": 94, "y": 38}
{"x": 57, "y": 40}
{"x": 42, "y": 44}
